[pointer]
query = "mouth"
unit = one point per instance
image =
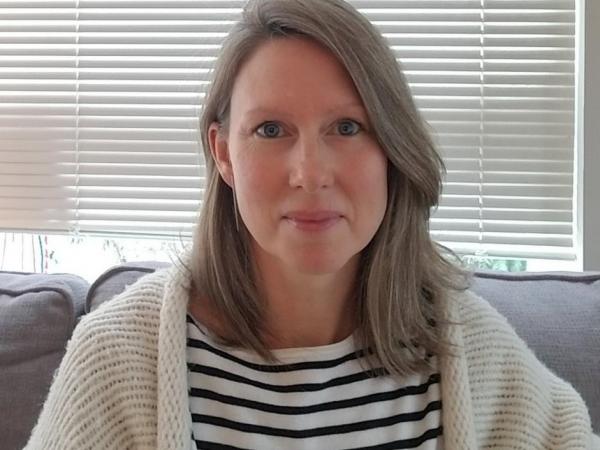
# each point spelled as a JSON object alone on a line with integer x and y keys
{"x": 313, "y": 221}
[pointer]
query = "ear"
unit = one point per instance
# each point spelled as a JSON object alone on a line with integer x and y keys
{"x": 219, "y": 149}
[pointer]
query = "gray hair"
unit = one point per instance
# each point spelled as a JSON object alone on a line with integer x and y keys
{"x": 404, "y": 276}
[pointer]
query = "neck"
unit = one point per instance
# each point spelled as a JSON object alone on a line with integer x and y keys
{"x": 308, "y": 310}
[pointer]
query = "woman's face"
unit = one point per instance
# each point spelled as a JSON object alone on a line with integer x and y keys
{"x": 310, "y": 178}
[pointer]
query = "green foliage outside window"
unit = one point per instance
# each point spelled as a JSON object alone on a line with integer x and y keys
{"x": 478, "y": 262}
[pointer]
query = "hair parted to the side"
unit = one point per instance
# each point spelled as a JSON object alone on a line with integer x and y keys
{"x": 404, "y": 276}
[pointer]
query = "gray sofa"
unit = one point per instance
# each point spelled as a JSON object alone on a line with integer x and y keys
{"x": 557, "y": 314}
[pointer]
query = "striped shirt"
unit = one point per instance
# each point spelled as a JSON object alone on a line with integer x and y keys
{"x": 318, "y": 398}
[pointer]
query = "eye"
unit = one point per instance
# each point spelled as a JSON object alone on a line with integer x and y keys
{"x": 348, "y": 127}
{"x": 269, "y": 130}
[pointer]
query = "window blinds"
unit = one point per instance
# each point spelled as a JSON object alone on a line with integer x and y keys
{"x": 99, "y": 101}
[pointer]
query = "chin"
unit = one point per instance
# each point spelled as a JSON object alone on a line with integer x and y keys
{"x": 318, "y": 265}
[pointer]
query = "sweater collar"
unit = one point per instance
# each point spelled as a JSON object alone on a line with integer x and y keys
{"x": 174, "y": 428}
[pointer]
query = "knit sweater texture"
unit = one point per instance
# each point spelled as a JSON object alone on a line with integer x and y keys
{"x": 122, "y": 383}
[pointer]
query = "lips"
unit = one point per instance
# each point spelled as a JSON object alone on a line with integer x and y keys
{"x": 313, "y": 221}
{"x": 312, "y": 216}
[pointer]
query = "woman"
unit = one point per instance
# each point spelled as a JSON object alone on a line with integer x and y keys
{"x": 313, "y": 310}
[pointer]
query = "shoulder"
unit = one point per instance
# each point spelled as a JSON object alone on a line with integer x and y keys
{"x": 490, "y": 344}
{"x": 105, "y": 386}
{"x": 485, "y": 335}
{"x": 139, "y": 302}
{"x": 508, "y": 382}
{"x": 473, "y": 308}
{"x": 480, "y": 320}
{"x": 127, "y": 322}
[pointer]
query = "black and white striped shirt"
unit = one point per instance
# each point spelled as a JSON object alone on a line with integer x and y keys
{"x": 319, "y": 398}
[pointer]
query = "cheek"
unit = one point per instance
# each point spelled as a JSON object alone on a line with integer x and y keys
{"x": 371, "y": 170}
{"x": 374, "y": 192}
{"x": 256, "y": 188}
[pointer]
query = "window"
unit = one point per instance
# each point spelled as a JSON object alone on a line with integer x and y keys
{"x": 101, "y": 99}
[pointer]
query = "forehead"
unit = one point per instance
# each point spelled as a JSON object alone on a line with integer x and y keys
{"x": 292, "y": 71}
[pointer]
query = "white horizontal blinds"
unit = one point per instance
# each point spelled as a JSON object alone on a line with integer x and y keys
{"x": 100, "y": 101}
{"x": 495, "y": 80}
{"x": 37, "y": 115}
{"x": 99, "y": 112}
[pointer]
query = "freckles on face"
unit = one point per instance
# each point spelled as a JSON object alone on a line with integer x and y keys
{"x": 300, "y": 141}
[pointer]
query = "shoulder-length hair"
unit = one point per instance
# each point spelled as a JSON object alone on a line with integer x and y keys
{"x": 404, "y": 276}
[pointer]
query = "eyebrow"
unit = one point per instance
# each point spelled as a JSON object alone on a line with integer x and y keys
{"x": 283, "y": 112}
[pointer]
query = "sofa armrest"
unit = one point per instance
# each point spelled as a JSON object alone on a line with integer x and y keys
{"x": 38, "y": 313}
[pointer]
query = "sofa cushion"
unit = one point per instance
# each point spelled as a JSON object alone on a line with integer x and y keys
{"x": 38, "y": 313}
{"x": 116, "y": 279}
{"x": 558, "y": 315}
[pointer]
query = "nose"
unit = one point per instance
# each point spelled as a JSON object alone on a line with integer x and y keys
{"x": 311, "y": 166}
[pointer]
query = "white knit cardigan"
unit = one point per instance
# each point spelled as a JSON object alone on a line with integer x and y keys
{"x": 123, "y": 381}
